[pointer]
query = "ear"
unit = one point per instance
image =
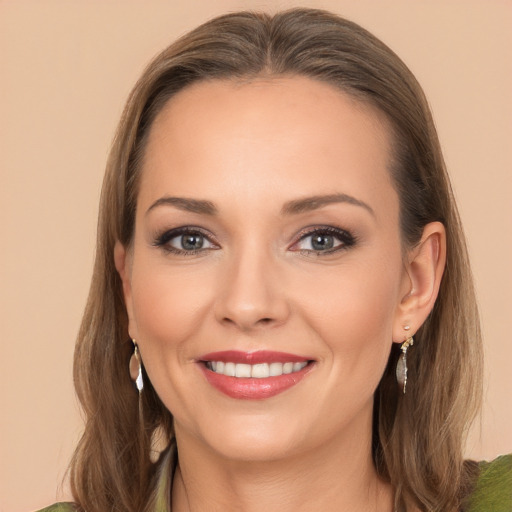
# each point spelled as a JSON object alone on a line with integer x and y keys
{"x": 423, "y": 270}
{"x": 123, "y": 261}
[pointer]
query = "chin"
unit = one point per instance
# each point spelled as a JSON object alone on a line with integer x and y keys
{"x": 251, "y": 438}
{"x": 257, "y": 447}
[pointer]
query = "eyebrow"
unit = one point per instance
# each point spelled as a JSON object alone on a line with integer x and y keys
{"x": 295, "y": 207}
{"x": 308, "y": 204}
{"x": 200, "y": 206}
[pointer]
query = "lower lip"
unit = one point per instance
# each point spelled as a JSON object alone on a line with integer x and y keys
{"x": 251, "y": 388}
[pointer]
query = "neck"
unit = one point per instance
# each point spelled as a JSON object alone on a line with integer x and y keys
{"x": 339, "y": 475}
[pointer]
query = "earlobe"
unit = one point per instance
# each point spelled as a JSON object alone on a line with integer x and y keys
{"x": 122, "y": 263}
{"x": 424, "y": 270}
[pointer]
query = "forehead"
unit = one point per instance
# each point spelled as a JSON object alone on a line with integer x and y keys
{"x": 294, "y": 134}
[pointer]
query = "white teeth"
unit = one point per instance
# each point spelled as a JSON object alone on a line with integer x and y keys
{"x": 257, "y": 371}
{"x": 229, "y": 369}
{"x": 287, "y": 368}
{"x": 275, "y": 369}
{"x": 260, "y": 371}
{"x": 298, "y": 366}
{"x": 242, "y": 370}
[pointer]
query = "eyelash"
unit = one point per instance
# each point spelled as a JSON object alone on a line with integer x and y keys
{"x": 343, "y": 236}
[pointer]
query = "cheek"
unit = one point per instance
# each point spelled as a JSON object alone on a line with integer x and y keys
{"x": 352, "y": 310}
{"x": 166, "y": 300}
{"x": 358, "y": 295}
{"x": 167, "y": 307}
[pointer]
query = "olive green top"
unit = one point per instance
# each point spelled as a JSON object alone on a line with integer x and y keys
{"x": 493, "y": 491}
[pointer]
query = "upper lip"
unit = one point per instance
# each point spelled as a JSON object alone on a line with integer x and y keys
{"x": 256, "y": 357}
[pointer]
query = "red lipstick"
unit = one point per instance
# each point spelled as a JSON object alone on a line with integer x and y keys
{"x": 286, "y": 370}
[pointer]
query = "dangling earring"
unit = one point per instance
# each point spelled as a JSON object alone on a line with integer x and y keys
{"x": 136, "y": 368}
{"x": 401, "y": 367}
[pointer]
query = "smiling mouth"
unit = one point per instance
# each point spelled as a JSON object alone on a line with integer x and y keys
{"x": 255, "y": 371}
{"x": 254, "y": 375}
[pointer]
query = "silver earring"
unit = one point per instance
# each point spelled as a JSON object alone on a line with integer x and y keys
{"x": 401, "y": 367}
{"x": 136, "y": 368}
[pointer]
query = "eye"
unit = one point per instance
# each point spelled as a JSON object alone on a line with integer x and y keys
{"x": 185, "y": 241}
{"x": 324, "y": 240}
{"x": 188, "y": 242}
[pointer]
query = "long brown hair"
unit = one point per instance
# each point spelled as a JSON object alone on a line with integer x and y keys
{"x": 419, "y": 437}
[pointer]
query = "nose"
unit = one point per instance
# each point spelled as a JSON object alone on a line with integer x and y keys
{"x": 251, "y": 295}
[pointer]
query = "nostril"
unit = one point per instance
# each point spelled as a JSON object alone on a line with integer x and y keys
{"x": 261, "y": 322}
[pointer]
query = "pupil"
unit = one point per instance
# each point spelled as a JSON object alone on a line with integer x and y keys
{"x": 322, "y": 242}
{"x": 192, "y": 242}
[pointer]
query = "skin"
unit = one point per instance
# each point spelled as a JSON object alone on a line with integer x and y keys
{"x": 250, "y": 149}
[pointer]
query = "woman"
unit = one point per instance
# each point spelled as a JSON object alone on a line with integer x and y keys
{"x": 282, "y": 274}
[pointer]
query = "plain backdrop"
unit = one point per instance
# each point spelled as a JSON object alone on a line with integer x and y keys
{"x": 66, "y": 68}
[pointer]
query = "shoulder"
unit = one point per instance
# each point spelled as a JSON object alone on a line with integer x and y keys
{"x": 60, "y": 507}
{"x": 493, "y": 491}
{"x": 164, "y": 475}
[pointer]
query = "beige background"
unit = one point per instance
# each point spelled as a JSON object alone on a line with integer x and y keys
{"x": 66, "y": 68}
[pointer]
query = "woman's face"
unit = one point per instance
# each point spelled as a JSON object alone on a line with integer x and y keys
{"x": 266, "y": 245}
